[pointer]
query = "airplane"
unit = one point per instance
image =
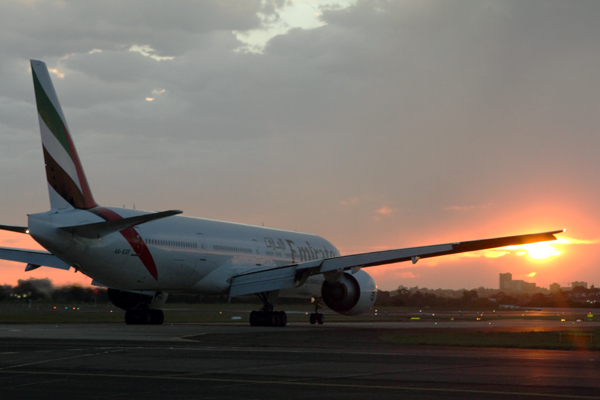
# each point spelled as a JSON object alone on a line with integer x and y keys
{"x": 141, "y": 256}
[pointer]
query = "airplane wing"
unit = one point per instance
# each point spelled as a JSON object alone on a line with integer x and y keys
{"x": 33, "y": 258}
{"x": 294, "y": 275}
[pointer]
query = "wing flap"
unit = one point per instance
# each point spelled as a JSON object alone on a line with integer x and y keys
{"x": 33, "y": 258}
{"x": 270, "y": 279}
{"x": 383, "y": 257}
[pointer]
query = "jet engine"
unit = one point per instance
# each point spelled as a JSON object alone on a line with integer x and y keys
{"x": 352, "y": 294}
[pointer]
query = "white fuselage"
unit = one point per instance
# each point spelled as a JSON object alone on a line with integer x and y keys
{"x": 176, "y": 254}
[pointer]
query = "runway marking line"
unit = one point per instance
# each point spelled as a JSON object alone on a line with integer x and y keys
{"x": 35, "y": 383}
{"x": 4, "y": 369}
{"x": 312, "y": 384}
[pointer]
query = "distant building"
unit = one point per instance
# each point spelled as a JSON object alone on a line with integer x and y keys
{"x": 508, "y": 285}
{"x": 506, "y": 282}
{"x": 578, "y": 283}
{"x": 522, "y": 286}
{"x": 555, "y": 287}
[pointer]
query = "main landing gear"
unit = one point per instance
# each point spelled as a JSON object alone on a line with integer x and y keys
{"x": 266, "y": 316}
{"x": 317, "y": 317}
{"x": 141, "y": 316}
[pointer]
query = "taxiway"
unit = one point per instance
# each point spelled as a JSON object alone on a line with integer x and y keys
{"x": 225, "y": 361}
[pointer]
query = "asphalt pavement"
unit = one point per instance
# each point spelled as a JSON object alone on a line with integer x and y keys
{"x": 224, "y": 361}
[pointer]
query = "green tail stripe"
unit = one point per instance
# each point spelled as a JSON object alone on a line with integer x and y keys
{"x": 49, "y": 114}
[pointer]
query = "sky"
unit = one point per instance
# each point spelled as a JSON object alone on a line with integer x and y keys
{"x": 374, "y": 124}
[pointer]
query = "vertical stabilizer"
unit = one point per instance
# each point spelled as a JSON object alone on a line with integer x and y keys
{"x": 67, "y": 184}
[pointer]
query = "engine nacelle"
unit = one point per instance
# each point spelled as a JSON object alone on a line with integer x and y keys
{"x": 353, "y": 294}
{"x": 127, "y": 300}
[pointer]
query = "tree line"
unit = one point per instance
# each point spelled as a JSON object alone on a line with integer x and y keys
{"x": 415, "y": 297}
{"x": 39, "y": 290}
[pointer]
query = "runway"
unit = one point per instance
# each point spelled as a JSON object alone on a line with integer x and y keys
{"x": 334, "y": 361}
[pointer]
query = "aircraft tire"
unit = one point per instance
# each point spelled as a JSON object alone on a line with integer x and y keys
{"x": 268, "y": 318}
{"x": 283, "y": 316}
{"x": 157, "y": 317}
{"x": 254, "y": 318}
{"x": 129, "y": 317}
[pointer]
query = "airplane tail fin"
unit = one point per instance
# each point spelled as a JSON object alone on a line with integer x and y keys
{"x": 67, "y": 184}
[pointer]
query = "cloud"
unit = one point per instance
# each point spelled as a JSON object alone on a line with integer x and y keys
{"x": 466, "y": 208}
{"x": 385, "y": 211}
{"x": 428, "y": 112}
{"x": 351, "y": 202}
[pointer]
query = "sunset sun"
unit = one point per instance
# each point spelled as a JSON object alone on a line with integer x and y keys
{"x": 541, "y": 250}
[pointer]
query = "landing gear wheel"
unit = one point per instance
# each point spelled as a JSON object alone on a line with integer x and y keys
{"x": 144, "y": 317}
{"x": 157, "y": 317}
{"x": 283, "y": 319}
{"x": 254, "y": 318}
{"x": 317, "y": 317}
{"x": 129, "y": 319}
{"x": 268, "y": 318}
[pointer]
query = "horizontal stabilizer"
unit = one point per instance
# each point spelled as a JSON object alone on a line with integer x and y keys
{"x": 33, "y": 258}
{"x": 19, "y": 229}
{"x": 99, "y": 229}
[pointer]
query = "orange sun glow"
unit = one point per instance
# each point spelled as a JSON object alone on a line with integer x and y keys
{"x": 541, "y": 250}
